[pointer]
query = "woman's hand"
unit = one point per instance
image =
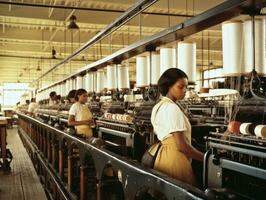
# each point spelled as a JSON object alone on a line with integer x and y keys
{"x": 89, "y": 122}
{"x": 93, "y": 123}
{"x": 186, "y": 148}
{"x": 72, "y": 122}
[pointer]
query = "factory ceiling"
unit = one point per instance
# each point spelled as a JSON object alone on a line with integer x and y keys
{"x": 29, "y": 34}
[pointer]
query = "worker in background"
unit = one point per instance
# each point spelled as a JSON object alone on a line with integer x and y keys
{"x": 80, "y": 115}
{"x": 16, "y": 108}
{"x": 71, "y": 96}
{"x": 173, "y": 129}
{"x": 58, "y": 99}
{"x": 27, "y": 102}
{"x": 53, "y": 98}
{"x": 33, "y": 106}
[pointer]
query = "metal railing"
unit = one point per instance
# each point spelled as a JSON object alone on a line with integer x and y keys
{"x": 59, "y": 152}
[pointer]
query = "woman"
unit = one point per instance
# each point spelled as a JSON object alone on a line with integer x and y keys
{"x": 52, "y": 99}
{"x": 173, "y": 129}
{"x": 80, "y": 115}
{"x": 33, "y": 106}
{"x": 71, "y": 96}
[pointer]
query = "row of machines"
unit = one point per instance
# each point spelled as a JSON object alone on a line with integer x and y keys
{"x": 235, "y": 161}
{"x": 234, "y": 164}
{"x": 123, "y": 125}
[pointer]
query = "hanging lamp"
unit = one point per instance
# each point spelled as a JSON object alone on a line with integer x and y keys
{"x": 72, "y": 23}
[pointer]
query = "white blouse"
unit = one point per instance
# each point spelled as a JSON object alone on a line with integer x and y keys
{"x": 33, "y": 106}
{"x": 81, "y": 113}
{"x": 167, "y": 118}
{"x": 79, "y": 110}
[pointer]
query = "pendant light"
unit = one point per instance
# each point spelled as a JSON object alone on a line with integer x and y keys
{"x": 72, "y": 23}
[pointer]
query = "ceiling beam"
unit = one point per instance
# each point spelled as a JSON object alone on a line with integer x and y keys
{"x": 92, "y": 9}
{"x": 51, "y": 9}
{"x": 84, "y": 28}
{"x": 10, "y": 6}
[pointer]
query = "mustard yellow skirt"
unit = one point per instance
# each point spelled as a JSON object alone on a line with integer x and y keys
{"x": 174, "y": 163}
{"x": 84, "y": 130}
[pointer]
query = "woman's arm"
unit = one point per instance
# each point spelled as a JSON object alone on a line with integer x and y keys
{"x": 73, "y": 122}
{"x": 186, "y": 148}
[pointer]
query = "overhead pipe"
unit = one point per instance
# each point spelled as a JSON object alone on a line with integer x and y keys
{"x": 89, "y": 9}
{"x": 41, "y": 58}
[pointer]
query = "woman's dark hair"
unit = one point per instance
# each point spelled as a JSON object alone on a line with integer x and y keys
{"x": 79, "y": 92}
{"x": 169, "y": 78}
{"x": 71, "y": 94}
{"x": 52, "y": 94}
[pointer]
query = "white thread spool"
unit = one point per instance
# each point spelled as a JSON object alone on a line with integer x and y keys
{"x": 90, "y": 82}
{"x": 71, "y": 84}
{"x": 58, "y": 91}
{"x": 94, "y": 81}
{"x": 105, "y": 80}
{"x": 111, "y": 77}
{"x": 232, "y": 39}
{"x": 142, "y": 72}
{"x": 63, "y": 88}
{"x": 259, "y": 46}
{"x": 245, "y": 128}
{"x": 74, "y": 84}
{"x": 40, "y": 96}
{"x": 79, "y": 82}
{"x": 67, "y": 85}
{"x": 113, "y": 116}
{"x": 123, "y": 77}
{"x": 260, "y": 131}
{"x": 87, "y": 82}
{"x": 187, "y": 59}
{"x": 44, "y": 95}
{"x": 154, "y": 68}
{"x": 167, "y": 59}
{"x": 100, "y": 81}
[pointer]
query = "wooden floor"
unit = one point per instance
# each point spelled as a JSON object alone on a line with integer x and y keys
{"x": 22, "y": 183}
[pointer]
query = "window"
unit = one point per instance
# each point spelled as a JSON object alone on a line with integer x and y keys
{"x": 12, "y": 92}
{"x": 211, "y": 76}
